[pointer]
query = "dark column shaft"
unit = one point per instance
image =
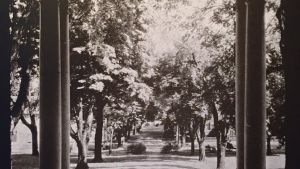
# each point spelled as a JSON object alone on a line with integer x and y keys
{"x": 240, "y": 81}
{"x": 255, "y": 110}
{"x": 50, "y": 86}
{"x": 65, "y": 82}
{"x": 5, "y": 85}
{"x": 291, "y": 61}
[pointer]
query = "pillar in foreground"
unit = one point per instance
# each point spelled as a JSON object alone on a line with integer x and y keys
{"x": 50, "y": 86}
{"x": 240, "y": 81}
{"x": 5, "y": 42}
{"x": 65, "y": 82}
{"x": 255, "y": 108}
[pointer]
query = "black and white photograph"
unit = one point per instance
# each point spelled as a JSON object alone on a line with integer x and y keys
{"x": 149, "y": 84}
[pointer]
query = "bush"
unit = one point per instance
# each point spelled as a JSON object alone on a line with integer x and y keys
{"x": 166, "y": 149}
{"x": 136, "y": 148}
{"x": 210, "y": 148}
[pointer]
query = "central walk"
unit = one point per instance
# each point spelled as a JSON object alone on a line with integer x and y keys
{"x": 151, "y": 136}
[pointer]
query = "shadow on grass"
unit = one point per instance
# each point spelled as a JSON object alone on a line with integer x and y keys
{"x": 142, "y": 158}
{"x": 21, "y": 161}
{"x": 214, "y": 154}
{"x": 124, "y": 157}
{"x": 139, "y": 166}
{"x": 207, "y": 153}
{"x": 277, "y": 152}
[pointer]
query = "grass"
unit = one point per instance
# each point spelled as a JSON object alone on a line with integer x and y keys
{"x": 147, "y": 161}
{"x": 152, "y": 159}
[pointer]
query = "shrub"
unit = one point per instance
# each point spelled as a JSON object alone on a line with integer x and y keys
{"x": 210, "y": 148}
{"x": 166, "y": 149}
{"x": 136, "y": 148}
{"x": 176, "y": 147}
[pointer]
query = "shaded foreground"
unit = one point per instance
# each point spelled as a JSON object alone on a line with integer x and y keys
{"x": 152, "y": 159}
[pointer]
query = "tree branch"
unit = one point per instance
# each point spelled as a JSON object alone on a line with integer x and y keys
{"x": 24, "y": 121}
{"x": 73, "y": 134}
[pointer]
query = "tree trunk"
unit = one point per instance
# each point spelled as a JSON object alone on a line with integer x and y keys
{"x": 82, "y": 154}
{"x": 98, "y": 135}
{"x": 192, "y": 137}
{"x": 128, "y": 129}
{"x": 134, "y": 129}
{"x": 269, "y": 150}
{"x": 111, "y": 135}
{"x": 221, "y": 144}
{"x": 192, "y": 144}
{"x": 201, "y": 138}
{"x": 124, "y": 132}
{"x": 118, "y": 132}
{"x": 22, "y": 100}
{"x": 84, "y": 127}
{"x": 177, "y": 134}
{"x": 183, "y": 136}
{"x": 119, "y": 141}
{"x": 221, "y": 149}
{"x": 128, "y": 133}
{"x": 25, "y": 56}
{"x": 98, "y": 139}
{"x": 201, "y": 151}
{"x": 34, "y": 135}
{"x": 14, "y": 123}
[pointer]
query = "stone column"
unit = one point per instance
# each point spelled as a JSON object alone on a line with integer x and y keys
{"x": 5, "y": 47}
{"x": 255, "y": 108}
{"x": 65, "y": 82}
{"x": 50, "y": 86}
{"x": 290, "y": 50}
{"x": 240, "y": 81}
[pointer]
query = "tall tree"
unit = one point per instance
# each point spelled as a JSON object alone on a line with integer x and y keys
{"x": 31, "y": 109}
{"x": 24, "y": 60}
{"x": 122, "y": 31}
{"x": 105, "y": 56}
